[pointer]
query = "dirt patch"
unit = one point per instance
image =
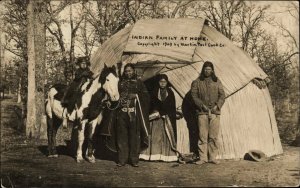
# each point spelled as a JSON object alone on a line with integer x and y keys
{"x": 24, "y": 164}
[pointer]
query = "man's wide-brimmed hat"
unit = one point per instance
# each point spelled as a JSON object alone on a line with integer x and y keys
{"x": 255, "y": 155}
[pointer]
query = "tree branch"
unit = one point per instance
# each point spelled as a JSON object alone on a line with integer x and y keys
{"x": 127, "y": 6}
{"x": 178, "y": 6}
{"x": 14, "y": 51}
{"x": 289, "y": 34}
{"x": 283, "y": 62}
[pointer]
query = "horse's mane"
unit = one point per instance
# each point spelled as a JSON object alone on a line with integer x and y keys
{"x": 104, "y": 73}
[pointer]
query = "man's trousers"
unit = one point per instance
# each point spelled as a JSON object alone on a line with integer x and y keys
{"x": 208, "y": 136}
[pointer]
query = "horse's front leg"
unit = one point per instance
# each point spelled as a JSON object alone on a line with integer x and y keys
{"x": 81, "y": 129}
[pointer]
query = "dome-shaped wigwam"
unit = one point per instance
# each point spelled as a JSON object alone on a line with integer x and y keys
{"x": 178, "y": 48}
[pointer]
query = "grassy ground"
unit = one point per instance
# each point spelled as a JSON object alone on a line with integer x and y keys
{"x": 24, "y": 164}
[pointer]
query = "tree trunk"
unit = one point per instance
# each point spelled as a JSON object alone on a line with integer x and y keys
{"x": 31, "y": 106}
{"x": 9, "y": 91}
{"x": 72, "y": 45}
{"x": 85, "y": 36}
{"x": 40, "y": 66}
{"x": 19, "y": 90}
{"x": 36, "y": 124}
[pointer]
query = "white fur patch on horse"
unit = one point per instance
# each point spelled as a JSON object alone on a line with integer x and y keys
{"x": 52, "y": 92}
{"x": 50, "y": 101}
{"x": 87, "y": 96}
{"x": 72, "y": 115}
{"x": 99, "y": 118}
{"x": 54, "y": 106}
{"x": 84, "y": 86}
{"x": 111, "y": 87}
{"x": 57, "y": 109}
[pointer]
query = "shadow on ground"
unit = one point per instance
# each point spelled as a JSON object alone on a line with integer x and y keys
{"x": 61, "y": 150}
{"x": 101, "y": 151}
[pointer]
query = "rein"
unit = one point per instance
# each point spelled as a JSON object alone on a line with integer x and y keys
{"x": 108, "y": 105}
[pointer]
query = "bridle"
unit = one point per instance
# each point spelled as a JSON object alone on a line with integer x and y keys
{"x": 108, "y": 105}
{"x": 121, "y": 102}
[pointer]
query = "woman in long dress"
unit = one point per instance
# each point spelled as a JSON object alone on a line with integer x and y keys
{"x": 162, "y": 124}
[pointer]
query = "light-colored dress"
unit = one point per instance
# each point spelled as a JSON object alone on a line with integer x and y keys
{"x": 161, "y": 142}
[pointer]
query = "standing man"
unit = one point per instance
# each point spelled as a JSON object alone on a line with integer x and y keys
{"x": 132, "y": 117}
{"x": 208, "y": 96}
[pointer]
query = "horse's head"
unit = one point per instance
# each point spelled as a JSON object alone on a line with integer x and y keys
{"x": 109, "y": 81}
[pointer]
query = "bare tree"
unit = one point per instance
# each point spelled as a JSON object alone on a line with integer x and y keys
{"x": 14, "y": 21}
{"x": 87, "y": 36}
{"x": 58, "y": 31}
{"x": 36, "y": 120}
{"x": 293, "y": 39}
{"x": 180, "y": 5}
{"x": 249, "y": 22}
{"x": 55, "y": 28}
{"x": 107, "y": 18}
{"x": 292, "y": 59}
{"x": 223, "y": 14}
{"x": 14, "y": 18}
{"x": 74, "y": 27}
{"x": 111, "y": 16}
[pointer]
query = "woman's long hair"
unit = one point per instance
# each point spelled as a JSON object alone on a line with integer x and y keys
{"x": 132, "y": 66}
{"x": 155, "y": 88}
{"x": 165, "y": 77}
{"x": 213, "y": 76}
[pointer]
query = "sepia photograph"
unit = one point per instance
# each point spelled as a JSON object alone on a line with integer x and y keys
{"x": 149, "y": 93}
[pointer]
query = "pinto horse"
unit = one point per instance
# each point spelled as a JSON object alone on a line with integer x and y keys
{"x": 87, "y": 111}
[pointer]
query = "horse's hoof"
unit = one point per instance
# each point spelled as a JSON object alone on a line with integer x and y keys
{"x": 79, "y": 160}
{"x": 91, "y": 159}
{"x": 53, "y": 156}
{"x": 181, "y": 161}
